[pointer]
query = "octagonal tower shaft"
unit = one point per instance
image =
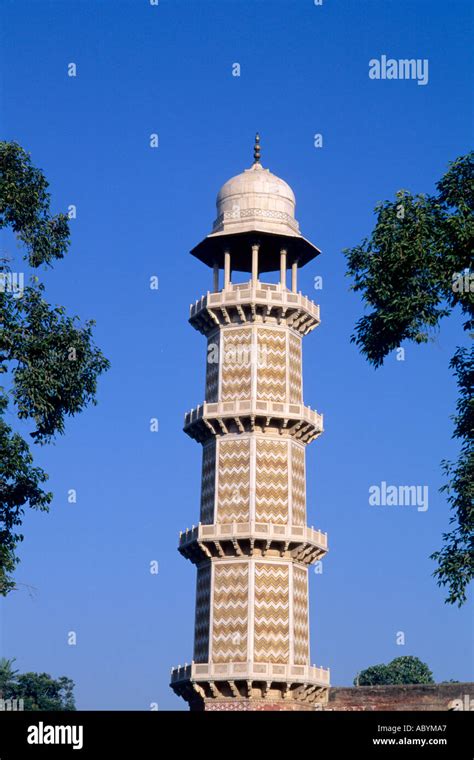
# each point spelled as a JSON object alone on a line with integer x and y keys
{"x": 252, "y": 547}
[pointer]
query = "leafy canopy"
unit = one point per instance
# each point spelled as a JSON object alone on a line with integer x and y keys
{"x": 39, "y": 691}
{"x": 407, "y": 669}
{"x": 48, "y": 359}
{"x": 412, "y": 271}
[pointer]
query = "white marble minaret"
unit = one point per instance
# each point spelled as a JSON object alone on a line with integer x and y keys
{"x": 252, "y": 547}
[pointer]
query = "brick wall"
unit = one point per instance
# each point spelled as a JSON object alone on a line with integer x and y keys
{"x": 440, "y": 696}
{"x": 254, "y": 705}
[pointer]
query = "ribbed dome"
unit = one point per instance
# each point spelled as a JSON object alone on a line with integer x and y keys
{"x": 258, "y": 200}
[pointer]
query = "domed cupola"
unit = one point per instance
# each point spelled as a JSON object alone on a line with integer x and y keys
{"x": 255, "y": 200}
{"x": 255, "y": 206}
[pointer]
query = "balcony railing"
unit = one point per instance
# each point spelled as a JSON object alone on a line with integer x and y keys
{"x": 261, "y": 293}
{"x": 261, "y": 671}
{"x": 268, "y": 531}
{"x": 255, "y": 408}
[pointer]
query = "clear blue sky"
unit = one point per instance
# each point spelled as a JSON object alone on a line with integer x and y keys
{"x": 168, "y": 69}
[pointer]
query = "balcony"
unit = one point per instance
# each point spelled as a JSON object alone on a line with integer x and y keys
{"x": 298, "y": 542}
{"x": 247, "y": 415}
{"x": 251, "y": 671}
{"x": 241, "y": 302}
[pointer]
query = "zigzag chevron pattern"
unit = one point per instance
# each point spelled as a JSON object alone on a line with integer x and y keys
{"x": 229, "y": 635}
{"x": 208, "y": 483}
{"x": 294, "y": 368}
{"x": 271, "y": 372}
{"x": 234, "y": 480}
{"x": 212, "y": 369}
{"x": 236, "y": 365}
{"x": 300, "y": 616}
{"x": 271, "y": 643}
{"x": 298, "y": 485}
{"x": 201, "y": 628}
{"x": 271, "y": 492}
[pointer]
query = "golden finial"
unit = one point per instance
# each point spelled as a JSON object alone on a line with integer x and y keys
{"x": 256, "y": 149}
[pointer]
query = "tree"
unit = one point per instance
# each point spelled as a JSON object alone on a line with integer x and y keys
{"x": 39, "y": 691}
{"x": 48, "y": 358}
{"x": 412, "y": 271}
{"x": 7, "y": 675}
{"x": 401, "y": 670}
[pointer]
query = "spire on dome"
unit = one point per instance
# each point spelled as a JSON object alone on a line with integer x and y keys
{"x": 256, "y": 149}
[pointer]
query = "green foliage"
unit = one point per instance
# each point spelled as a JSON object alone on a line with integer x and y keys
{"x": 405, "y": 269}
{"x": 20, "y": 484}
{"x": 401, "y": 670}
{"x": 410, "y": 274}
{"x": 56, "y": 365}
{"x": 456, "y": 558}
{"x": 24, "y": 207}
{"x": 7, "y": 675}
{"x": 38, "y": 690}
{"x": 48, "y": 359}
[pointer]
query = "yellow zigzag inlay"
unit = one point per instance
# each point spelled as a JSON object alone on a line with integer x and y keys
{"x": 208, "y": 483}
{"x": 234, "y": 481}
{"x": 271, "y": 613}
{"x": 298, "y": 485}
{"x": 212, "y": 371}
{"x": 229, "y": 636}
{"x": 271, "y": 371}
{"x": 236, "y": 366}
{"x": 201, "y": 631}
{"x": 300, "y": 617}
{"x": 295, "y": 369}
{"x": 271, "y": 494}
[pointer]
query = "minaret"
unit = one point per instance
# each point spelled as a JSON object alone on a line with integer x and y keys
{"x": 252, "y": 547}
